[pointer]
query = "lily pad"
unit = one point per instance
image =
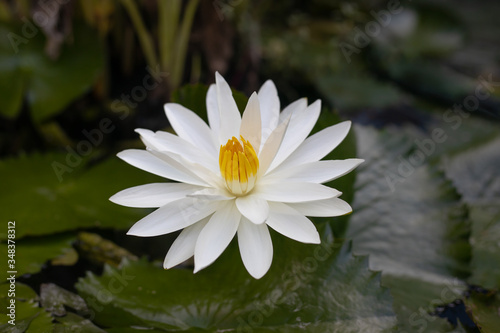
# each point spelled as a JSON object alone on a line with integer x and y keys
{"x": 79, "y": 200}
{"x": 314, "y": 288}
{"x": 74, "y": 323}
{"x": 33, "y": 253}
{"x": 408, "y": 218}
{"x": 485, "y": 309}
{"x": 354, "y": 90}
{"x": 47, "y": 85}
{"x": 54, "y": 298}
{"x": 51, "y": 316}
{"x": 474, "y": 172}
{"x": 27, "y": 313}
{"x": 485, "y": 242}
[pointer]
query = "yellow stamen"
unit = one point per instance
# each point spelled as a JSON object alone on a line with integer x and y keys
{"x": 238, "y": 165}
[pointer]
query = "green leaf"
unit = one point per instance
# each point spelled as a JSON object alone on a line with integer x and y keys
{"x": 485, "y": 310}
{"x": 41, "y": 323}
{"x": 23, "y": 292}
{"x": 344, "y": 82}
{"x": 79, "y": 200}
{"x": 462, "y": 132}
{"x": 31, "y": 318}
{"x": 321, "y": 288}
{"x": 54, "y": 298}
{"x": 409, "y": 220}
{"x": 28, "y": 316}
{"x": 33, "y": 253}
{"x": 474, "y": 172}
{"x": 424, "y": 30}
{"x": 75, "y": 323}
{"x": 136, "y": 330}
{"x": 485, "y": 245}
{"x": 48, "y": 85}
{"x": 350, "y": 89}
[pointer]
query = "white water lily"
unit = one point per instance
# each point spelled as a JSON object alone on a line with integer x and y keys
{"x": 241, "y": 174}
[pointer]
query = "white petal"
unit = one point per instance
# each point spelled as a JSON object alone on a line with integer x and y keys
{"x": 173, "y": 216}
{"x": 271, "y": 147}
{"x": 190, "y": 170}
{"x": 269, "y": 108}
{"x": 146, "y": 161}
{"x": 183, "y": 247}
{"x": 211, "y": 193}
{"x": 216, "y": 235}
{"x": 168, "y": 142}
{"x": 295, "y": 192}
{"x": 230, "y": 118}
{"x": 213, "y": 112}
{"x": 256, "y": 247}
{"x": 301, "y": 124}
{"x": 315, "y": 172}
{"x": 251, "y": 123}
{"x": 147, "y": 137}
{"x": 323, "y": 208}
{"x": 297, "y": 106}
{"x": 318, "y": 145}
{"x": 190, "y": 127}
{"x": 153, "y": 195}
{"x": 253, "y": 207}
{"x": 292, "y": 224}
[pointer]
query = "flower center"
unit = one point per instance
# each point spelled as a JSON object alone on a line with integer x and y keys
{"x": 238, "y": 165}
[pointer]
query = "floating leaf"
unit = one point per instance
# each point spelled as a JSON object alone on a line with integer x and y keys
{"x": 54, "y": 298}
{"x": 48, "y": 85}
{"x": 474, "y": 172}
{"x": 33, "y": 253}
{"x": 409, "y": 220}
{"x": 323, "y": 288}
{"x": 31, "y": 318}
{"x": 350, "y": 89}
{"x": 485, "y": 311}
{"x": 485, "y": 242}
{"x": 79, "y": 200}
{"x": 422, "y": 30}
{"x": 28, "y": 317}
{"x": 74, "y": 323}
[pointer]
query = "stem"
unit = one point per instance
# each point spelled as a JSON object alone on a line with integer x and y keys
{"x": 168, "y": 18}
{"x": 142, "y": 33}
{"x": 182, "y": 43}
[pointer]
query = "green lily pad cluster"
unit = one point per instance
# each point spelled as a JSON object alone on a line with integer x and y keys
{"x": 30, "y": 76}
{"x": 419, "y": 253}
{"x": 421, "y": 234}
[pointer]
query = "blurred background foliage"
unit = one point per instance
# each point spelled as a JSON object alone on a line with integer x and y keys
{"x": 420, "y": 80}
